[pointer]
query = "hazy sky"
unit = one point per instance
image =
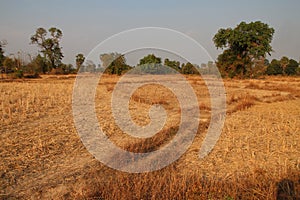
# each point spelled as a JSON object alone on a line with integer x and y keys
{"x": 86, "y": 23}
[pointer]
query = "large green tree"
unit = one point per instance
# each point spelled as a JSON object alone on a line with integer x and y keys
{"x": 49, "y": 45}
{"x": 243, "y": 47}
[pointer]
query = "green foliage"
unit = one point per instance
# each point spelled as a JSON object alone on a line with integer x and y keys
{"x": 188, "y": 68}
{"x": 153, "y": 69}
{"x": 114, "y": 63}
{"x": 50, "y": 46}
{"x": 284, "y": 66}
{"x": 41, "y": 64}
{"x": 79, "y": 60}
{"x": 284, "y": 61}
{"x": 150, "y": 59}
{"x": 244, "y": 45}
{"x": 118, "y": 66}
{"x": 108, "y": 58}
{"x": 274, "y": 68}
{"x": 66, "y": 68}
{"x": 173, "y": 64}
{"x": 19, "y": 74}
{"x": 151, "y": 64}
{"x": 292, "y": 67}
{"x": 230, "y": 65}
{"x": 36, "y": 66}
{"x": 9, "y": 65}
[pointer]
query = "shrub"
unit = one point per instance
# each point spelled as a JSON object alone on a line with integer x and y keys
{"x": 19, "y": 74}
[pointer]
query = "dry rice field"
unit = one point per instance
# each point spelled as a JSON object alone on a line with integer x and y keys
{"x": 256, "y": 157}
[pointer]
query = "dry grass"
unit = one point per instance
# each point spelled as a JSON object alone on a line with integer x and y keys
{"x": 241, "y": 102}
{"x": 256, "y": 157}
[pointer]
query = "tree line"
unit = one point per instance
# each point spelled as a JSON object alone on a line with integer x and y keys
{"x": 244, "y": 56}
{"x": 115, "y": 63}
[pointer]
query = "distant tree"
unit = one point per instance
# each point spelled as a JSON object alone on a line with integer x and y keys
{"x": 203, "y": 65}
{"x": 243, "y": 45}
{"x": 118, "y": 66}
{"x": 210, "y": 64}
{"x": 37, "y": 65}
{"x": 88, "y": 66}
{"x": 188, "y": 68}
{"x": 151, "y": 64}
{"x": 33, "y": 67}
{"x": 292, "y": 67}
{"x": 79, "y": 60}
{"x": 274, "y": 68}
{"x": 50, "y": 46}
{"x": 108, "y": 58}
{"x": 41, "y": 62}
{"x": 114, "y": 63}
{"x": 3, "y": 43}
{"x": 172, "y": 63}
{"x": 210, "y": 67}
{"x": 9, "y": 65}
{"x": 150, "y": 59}
{"x": 284, "y": 61}
{"x": 66, "y": 68}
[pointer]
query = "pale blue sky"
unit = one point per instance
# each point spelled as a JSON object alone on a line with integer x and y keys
{"x": 86, "y": 23}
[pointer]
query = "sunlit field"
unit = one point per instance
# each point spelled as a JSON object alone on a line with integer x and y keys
{"x": 256, "y": 157}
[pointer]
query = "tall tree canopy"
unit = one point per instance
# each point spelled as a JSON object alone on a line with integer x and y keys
{"x": 244, "y": 45}
{"x": 49, "y": 46}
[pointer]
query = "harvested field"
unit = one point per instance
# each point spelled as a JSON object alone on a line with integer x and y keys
{"x": 256, "y": 157}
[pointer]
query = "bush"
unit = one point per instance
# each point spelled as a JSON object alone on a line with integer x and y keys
{"x": 292, "y": 67}
{"x": 19, "y": 74}
{"x": 35, "y": 75}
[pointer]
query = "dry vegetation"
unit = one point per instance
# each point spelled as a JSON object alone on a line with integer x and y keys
{"x": 256, "y": 157}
